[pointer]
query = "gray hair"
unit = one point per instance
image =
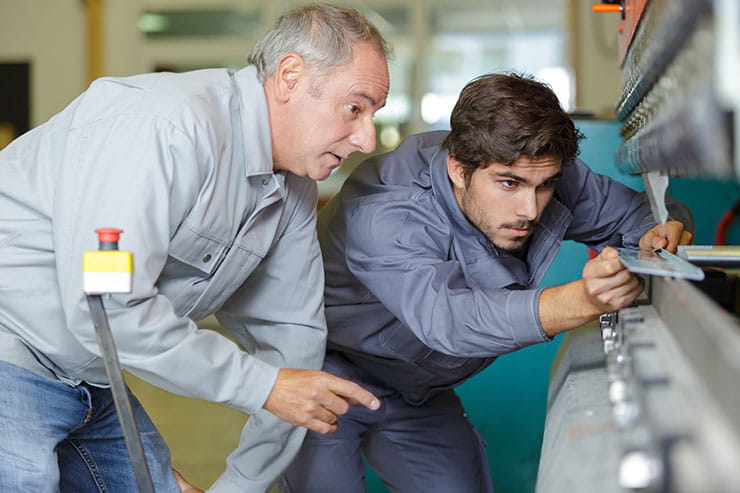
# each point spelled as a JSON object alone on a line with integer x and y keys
{"x": 323, "y": 35}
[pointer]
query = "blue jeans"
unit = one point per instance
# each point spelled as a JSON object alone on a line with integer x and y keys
{"x": 54, "y": 437}
{"x": 427, "y": 448}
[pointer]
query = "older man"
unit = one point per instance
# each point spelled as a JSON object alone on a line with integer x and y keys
{"x": 210, "y": 175}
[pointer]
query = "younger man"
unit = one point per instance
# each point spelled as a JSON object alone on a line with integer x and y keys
{"x": 433, "y": 254}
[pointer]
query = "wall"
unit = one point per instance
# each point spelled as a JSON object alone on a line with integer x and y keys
{"x": 594, "y": 58}
{"x": 51, "y": 35}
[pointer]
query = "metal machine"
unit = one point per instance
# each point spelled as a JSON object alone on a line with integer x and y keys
{"x": 648, "y": 398}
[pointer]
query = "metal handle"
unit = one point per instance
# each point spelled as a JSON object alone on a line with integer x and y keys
{"x": 120, "y": 394}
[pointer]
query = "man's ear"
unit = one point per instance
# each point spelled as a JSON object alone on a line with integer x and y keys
{"x": 456, "y": 172}
{"x": 291, "y": 69}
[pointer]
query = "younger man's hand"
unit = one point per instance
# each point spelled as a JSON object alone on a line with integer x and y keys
{"x": 608, "y": 284}
{"x": 667, "y": 236}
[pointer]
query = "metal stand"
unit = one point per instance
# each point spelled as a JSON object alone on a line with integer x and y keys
{"x": 120, "y": 394}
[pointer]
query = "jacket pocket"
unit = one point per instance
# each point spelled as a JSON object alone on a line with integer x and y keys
{"x": 191, "y": 263}
{"x": 193, "y": 253}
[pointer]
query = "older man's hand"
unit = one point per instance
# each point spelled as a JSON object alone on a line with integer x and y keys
{"x": 184, "y": 486}
{"x": 315, "y": 399}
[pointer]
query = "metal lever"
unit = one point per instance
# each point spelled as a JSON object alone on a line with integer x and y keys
{"x": 109, "y": 270}
{"x": 656, "y": 185}
{"x": 120, "y": 394}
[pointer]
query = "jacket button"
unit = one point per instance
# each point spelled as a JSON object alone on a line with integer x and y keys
{"x": 207, "y": 257}
{"x": 265, "y": 181}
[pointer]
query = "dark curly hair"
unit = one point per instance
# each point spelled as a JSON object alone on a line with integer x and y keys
{"x": 500, "y": 117}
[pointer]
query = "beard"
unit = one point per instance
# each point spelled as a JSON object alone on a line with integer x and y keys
{"x": 515, "y": 246}
{"x": 479, "y": 217}
{"x": 514, "y": 249}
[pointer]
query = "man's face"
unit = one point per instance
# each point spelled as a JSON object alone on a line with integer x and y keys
{"x": 506, "y": 202}
{"x": 331, "y": 117}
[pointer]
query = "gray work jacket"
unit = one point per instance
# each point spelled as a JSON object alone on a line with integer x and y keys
{"x": 417, "y": 297}
{"x": 183, "y": 164}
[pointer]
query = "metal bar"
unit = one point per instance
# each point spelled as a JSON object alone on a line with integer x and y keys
{"x": 656, "y": 184}
{"x": 120, "y": 394}
{"x": 709, "y": 337}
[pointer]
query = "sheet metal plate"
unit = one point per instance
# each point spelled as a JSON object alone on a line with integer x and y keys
{"x": 659, "y": 263}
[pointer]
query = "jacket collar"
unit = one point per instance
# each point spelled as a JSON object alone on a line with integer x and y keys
{"x": 255, "y": 122}
{"x": 443, "y": 192}
{"x": 442, "y": 189}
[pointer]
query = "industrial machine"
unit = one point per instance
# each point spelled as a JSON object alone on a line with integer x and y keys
{"x": 648, "y": 398}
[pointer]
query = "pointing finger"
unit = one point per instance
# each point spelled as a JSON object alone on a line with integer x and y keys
{"x": 353, "y": 393}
